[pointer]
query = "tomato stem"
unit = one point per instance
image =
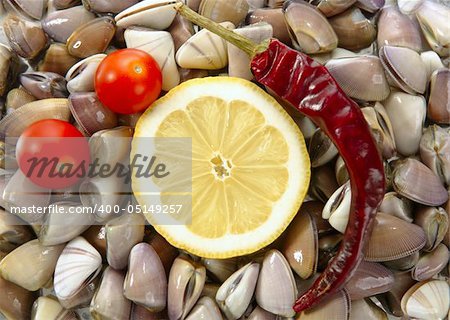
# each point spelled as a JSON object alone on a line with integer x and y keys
{"x": 243, "y": 43}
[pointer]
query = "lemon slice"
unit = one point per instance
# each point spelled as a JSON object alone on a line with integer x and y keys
{"x": 250, "y": 167}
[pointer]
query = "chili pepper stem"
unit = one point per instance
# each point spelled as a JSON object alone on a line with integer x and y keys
{"x": 243, "y": 43}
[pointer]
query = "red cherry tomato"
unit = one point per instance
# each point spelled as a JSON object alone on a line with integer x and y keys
{"x": 128, "y": 81}
{"x": 53, "y": 154}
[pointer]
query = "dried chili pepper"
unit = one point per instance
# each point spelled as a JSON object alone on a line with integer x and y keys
{"x": 309, "y": 88}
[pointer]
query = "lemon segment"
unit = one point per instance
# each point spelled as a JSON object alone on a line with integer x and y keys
{"x": 250, "y": 167}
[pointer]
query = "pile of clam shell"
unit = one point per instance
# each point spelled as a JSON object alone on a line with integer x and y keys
{"x": 391, "y": 57}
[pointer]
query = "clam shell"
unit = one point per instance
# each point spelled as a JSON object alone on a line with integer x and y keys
{"x": 9, "y": 65}
{"x": 369, "y": 279}
{"x": 16, "y": 98}
{"x": 181, "y": 30}
{"x": 260, "y": 314}
{"x": 435, "y": 223}
{"x": 310, "y": 31}
{"x": 407, "y": 114}
{"x": 431, "y": 263}
{"x": 439, "y": 101}
{"x": 80, "y": 77}
{"x": 44, "y": 85}
{"x": 323, "y": 183}
{"x": 166, "y": 252}
{"x": 275, "y": 18}
{"x": 337, "y": 208}
{"x": 205, "y": 308}
{"x": 397, "y": 29}
{"x": 366, "y": 309}
{"x": 321, "y": 149}
{"x": 427, "y": 300}
{"x": 17, "y": 121}
{"x": 65, "y": 4}
{"x": 109, "y": 301}
{"x": 432, "y": 62}
{"x": 155, "y": 14}
{"x": 59, "y": 25}
{"x": 370, "y": 5}
{"x": 220, "y": 269}
{"x": 435, "y": 151}
{"x": 276, "y": 291}
{"x": 336, "y": 307}
{"x": 122, "y": 234}
{"x": 31, "y": 265}
{"x": 391, "y": 300}
{"x": 204, "y": 50}
{"x": 397, "y": 63}
{"x": 13, "y": 232}
{"x": 83, "y": 298}
{"x": 397, "y": 206}
{"x": 361, "y": 77}
{"x": 48, "y": 308}
{"x": 57, "y": 59}
{"x": 15, "y": 301}
{"x": 393, "y": 238}
{"x": 408, "y": 7}
{"x": 224, "y": 10}
{"x": 77, "y": 266}
{"x": 108, "y": 6}
{"x": 403, "y": 264}
{"x": 30, "y": 9}
{"x": 413, "y": 180}
{"x": 159, "y": 44}
{"x": 91, "y": 38}
{"x": 332, "y": 7}
{"x": 257, "y": 4}
{"x": 111, "y": 145}
{"x": 95, "y": 235}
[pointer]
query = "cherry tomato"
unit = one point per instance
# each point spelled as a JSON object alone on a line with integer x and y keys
{"x": 53, "y": 154}
{"x": 128, "y": 81}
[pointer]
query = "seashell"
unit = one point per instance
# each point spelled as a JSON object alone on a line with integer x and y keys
{"x": 381, "y": 128}
{"x": 80, "y": 77}
{"x": 26, "y": 38}
{"x": 393, "y": 238}
{"x": 391, "y": 300}
{"x": 276, "y": 291}
{"x": 155, "y": 14}
{"x": 415, "y": 181}
{"x": 328, "y": 246}
{"x": 341, "y": 171}
{"x": 13, "y": 232}
{"x": 366, "y": 309}
{"x": 83, "y": 298}
{"x": 353, "y": 29}
{"x": 9, "y": 65}
{"x": 166, "y": 252}
{"x": 22, "y": 193}
{"x": 333, "y": 7}
{"x": 129, "y": 120}
{"x": 65, "y": 4}
{"x": 16, "y": 98}
{"x": 397, "y": 206}
{"x": 48, "y": 308}
{"x": 77, "y": 266}
{"x": 257, "y": 4}
{"x": 96, "y": 236}
{"x": 204, "y": 50}
{"x": 309, "y": 29}
{"x": 336, "y": 307}
{"x": 371, "y": 6}
{"x": 122, "y": 234}
{"x": 109, "y": 301}
{"x": 90, "y": 113}
{"x": 140, "y": 313}
{"x": 446, "y": 240}
{"x": 239, "y": 61}
{"x": 337, "y": 208}
{"x": 431, "y": 263}
{"x": 427, "y": 300}
{"x": 59, "y": 25}
{"x": 433, "y": 19}
{"x": 275, "y": 18}
{"x": 146, "y": 282}
{"x": 432, "y": 62}
{"x": 15, "y": 301}
{"x": 435, "y": 151}
{"x": 321, "y": 149}
{"x": 181, "y": 30}
{"x": 205, "y": 308}
{"x": 409, "y": 7}
{"x": 435, "y": 223}
{"x": 193, "y": 4}
{"x": 235, "y": 294}
{"x": 31, "y": 265}
{"x": 33, "y": 9}
{"x": 314, "y": 209}
{"x": 108, "y": 6}
{"x": 44, "y": 85}
{"x": 397, "y": 29}
{"x": 369, "y": 279}
{"x": 186, "y": 281}
{"x": 397, "y": 63}
{"x": 111, "y": 145}
{"x": 403, "y": 264}
{"x": 260, "y": 314}
{"x": 323, "y": 183}
{"x": 92, "y": 37}
{"x": 407, "y": 114}
{"x": 159, "y": 45}
{"x": 63, "y": 225}
{"x": 220, "y": 269}
{"x": 360, "y": 77}
{"x": 300, "y": 245}
{"x": 57, "y": 59}
{"x": 224, "y": 10}
{"x": 439, "y": 101}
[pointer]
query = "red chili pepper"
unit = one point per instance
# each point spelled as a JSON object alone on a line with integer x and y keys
{"x": 308, "y": 87}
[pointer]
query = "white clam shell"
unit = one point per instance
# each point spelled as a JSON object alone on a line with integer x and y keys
{"x": 407, "y": 113}
{"x": 155, "y": 14}
{"x": 78, "y": 264}
{"x": 159, "y": 44}
{"x": 337, "y": 208}
{"x": 409, "y": 6}
{"x": 239, "y": 61}
{"x": 432, "y": 62}
{"x": 80, "y": 77}
{"x": 204, "y": 50}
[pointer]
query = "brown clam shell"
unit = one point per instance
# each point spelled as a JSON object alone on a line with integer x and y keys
{"x": 57, "y": 59}
{"x": 439, "y": 102}
{"x": 224, "y": 10}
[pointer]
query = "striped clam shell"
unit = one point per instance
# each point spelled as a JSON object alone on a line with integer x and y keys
{"x": 160, "y": 45}
{"x": 78, "y": 264}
